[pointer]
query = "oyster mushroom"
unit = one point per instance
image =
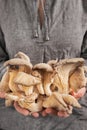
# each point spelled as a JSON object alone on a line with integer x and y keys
{"x": 4, "y": 86}
{"x": 11, "y": 96}
{"x": 61, "y": 102}
{"x": 65, "y": 69}
{"x": 77, "y": 80}
{"x": 26, "y": 81}
{"x": 22, "y": 56}
{"x": 27, "y": 90}
{"x": 8, "y": 102}
{"x": 21, "y": 63}
{"x": 27, "y": 102}
{"x": 57, "y": 85}
{"x": 38, "y": 74}
{"x": 47, "y": 74}
{"x": 71, "y": 100}
{"x": 56, "y": 101}
{"x": 32, "y": 107}
{"x": 20, "y": 96}
{"x": 13, "y": 87}
{"x": 16, "y": 65}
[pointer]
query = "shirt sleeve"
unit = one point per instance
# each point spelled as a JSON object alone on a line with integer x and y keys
{"x": 3, "y": 53}
{"x": 84, "y": 47}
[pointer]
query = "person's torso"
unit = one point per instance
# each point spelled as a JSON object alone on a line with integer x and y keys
{"x": 65, "y": 31}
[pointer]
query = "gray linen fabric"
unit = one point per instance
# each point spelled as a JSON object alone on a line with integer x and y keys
{"x": 66, "y": 19}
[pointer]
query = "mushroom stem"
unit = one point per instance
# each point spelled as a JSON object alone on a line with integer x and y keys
{"x": 47, "y": 89}
{"x": 13, "y": 87}
{"x": 4, "y": 82}
{"x": 48, "y": 80}
{"x": 40, "y": 88}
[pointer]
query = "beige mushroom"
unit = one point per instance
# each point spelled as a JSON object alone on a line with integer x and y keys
{"x": 22, "y": 56}
{"x": 21, "y": 63}
{"x": 34, "y": 87}
{"x": 47, "y": 74}
{"x": 17, "y": 65}
{"x": 57, "y": 84}
{"x": 13, "y": 87}
{"x": 70, "y": 100}
{"x": 4, "y": 86}
{"x": 85, "y": 70}
{"x": 55, "y": 101}
{"x": 32, "y": 107}
{"x": 20, "y": 96}
{"x": 26, "y": 89}
{"x": 43, "y": 66}
{"x": 61, "y": 102}
{"x": 77, "y": 80}
{"x": 26, "y": 79}
{"x": 10, "y": 97}
{"x": 27, "y": 102}
{"x": 65, "y": 69}
{"x": 39, "y": 74}
{"x": 26, "y": 82}
{"x": 8, "y": 102}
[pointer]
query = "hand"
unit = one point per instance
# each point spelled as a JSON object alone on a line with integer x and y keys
{"x": 43, "y": 113}
{"x": 23, "y": 111}
{"x": 52, "y": 111}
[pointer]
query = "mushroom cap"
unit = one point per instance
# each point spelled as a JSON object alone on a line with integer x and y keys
{"x": 26, "y": 79}
{"x": 79, "y": 61}
{"x": 22, "y": 55}
{"x": 18, "y": 61}
{"x": 43, "y": 66}
{"x": 52, "y": 62}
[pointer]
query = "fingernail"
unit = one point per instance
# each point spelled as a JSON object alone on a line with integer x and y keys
{"x": 35, "y": 115}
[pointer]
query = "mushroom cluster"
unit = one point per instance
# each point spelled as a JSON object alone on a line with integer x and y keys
{"x": 43, "y": 85}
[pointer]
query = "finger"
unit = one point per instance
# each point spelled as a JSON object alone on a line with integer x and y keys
{"x": 62, "y": 114}
{"x": 21, "y": 110}
{"x": 51, "y": 111}
{"x": 2, "y": 94}
{"x": 43, "y": 113}
{"x": 80, "y": 93}
{"x": 35, "y": 114}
